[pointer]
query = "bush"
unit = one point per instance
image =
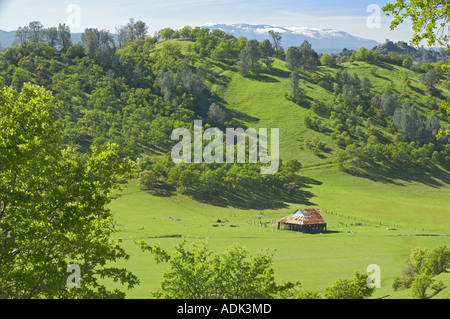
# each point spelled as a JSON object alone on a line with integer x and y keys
{"x": 355, "y": 288}
{"x": 421, "y": 266}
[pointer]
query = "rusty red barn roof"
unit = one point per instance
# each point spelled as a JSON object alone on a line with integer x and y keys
{"x": 304, "y": 216}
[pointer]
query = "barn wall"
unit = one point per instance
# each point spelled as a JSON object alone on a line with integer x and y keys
{"x": 306, "y": 228}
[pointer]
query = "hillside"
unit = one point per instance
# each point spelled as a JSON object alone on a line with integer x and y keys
{"x": 375, "y": 218}
{"x": 400, "y": 48}
{"x": 420, "y": 54}
{"x": 363, "y": 130}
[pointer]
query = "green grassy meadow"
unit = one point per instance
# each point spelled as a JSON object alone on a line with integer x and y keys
{"x": 371, "y": 219}
{"x": 351, "y": 243}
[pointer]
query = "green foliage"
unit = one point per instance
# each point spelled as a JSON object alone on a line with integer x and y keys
{"x": 296, "y": 93}
{"x": 446, "y": 107}
{"x": 428, "y": 19}
{"x": 407, "y": 63}
{"x": 132, "y": 31}
{"x": 276, "y": 38}
{"x": 328, "y": 60}
{"x": 147, "y": 180}
{"x": 54, "y": 205}
{"x": 216, "y": 115}
{"x": 355, "y": 288}
{"x": 267, "y": 52}
{"x": 419, "y": 286}
{"x": 430, "y": 80}
{"x": 226, "y": 51}
{"x": 366, "y": 55}
{"x": 302, "y": 57}
{"x": 316, "y": 146}
{"x": 313, "y": 123}
{"x": 421, "y": 267}
{"x": 217, "y": 183}
{"x": 410, "y": 127}
{"x": 199, "y": 274}
{"x": 249, "y": 57}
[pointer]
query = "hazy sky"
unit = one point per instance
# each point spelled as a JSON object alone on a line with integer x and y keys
{"x": 345, "y": 15}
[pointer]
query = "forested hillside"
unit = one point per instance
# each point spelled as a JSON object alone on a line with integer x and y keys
{"x": 365, "y": 111}
{"x": 363, "y": 135}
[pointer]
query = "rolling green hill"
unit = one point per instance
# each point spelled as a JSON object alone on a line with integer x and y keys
{"x": 375, "y": 218}
{"x": 380, "y": 177}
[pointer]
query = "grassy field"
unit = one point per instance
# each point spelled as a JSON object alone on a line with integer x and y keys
{"x": 371, "y": 219}
{"x": 351, "y": 243}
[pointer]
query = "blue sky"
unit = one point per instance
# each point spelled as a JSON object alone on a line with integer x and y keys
{"x": 345, "y": 15}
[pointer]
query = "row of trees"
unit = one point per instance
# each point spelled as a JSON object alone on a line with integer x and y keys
{"x": 53, "y": 36}
{"x": 396, "y": 156}
{"x": 217, "y": 180}
{"x": 408, "y": 123}
{"x": 420, "y": 60}
{"x": 362, "y": 145}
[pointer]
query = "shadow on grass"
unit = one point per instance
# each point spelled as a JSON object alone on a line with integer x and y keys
{"x": 261, "y": 78}
{"x": 432, "y": 176}
{"x": 417, "y": 90}
{"x": 259, "y": 200}
{"x": 326, "y": 232}
{"x": 327, "y": 86}
{"x": 277, "y": 72}
{"x": 252, "y": 199}
{"x": 240, "y": 118}
{"x": 162, "y": 191}
{"x": 384, "y": 65}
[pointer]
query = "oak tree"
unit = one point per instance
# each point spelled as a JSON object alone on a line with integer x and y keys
{"x": 53, "y": 205}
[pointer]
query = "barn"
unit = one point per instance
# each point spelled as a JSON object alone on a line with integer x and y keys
{"x": 305, "y": 220}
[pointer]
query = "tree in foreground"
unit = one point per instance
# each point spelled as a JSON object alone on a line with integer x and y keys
{"x": 53, "y": 206}
{"x": 430, "y": 20}
{"x": 200, "y": 274}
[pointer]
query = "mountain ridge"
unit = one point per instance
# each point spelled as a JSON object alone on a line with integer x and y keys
{"x": 321, "y": 40}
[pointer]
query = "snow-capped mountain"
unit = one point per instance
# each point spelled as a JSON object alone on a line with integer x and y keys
{"x": 322, "y": 40}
